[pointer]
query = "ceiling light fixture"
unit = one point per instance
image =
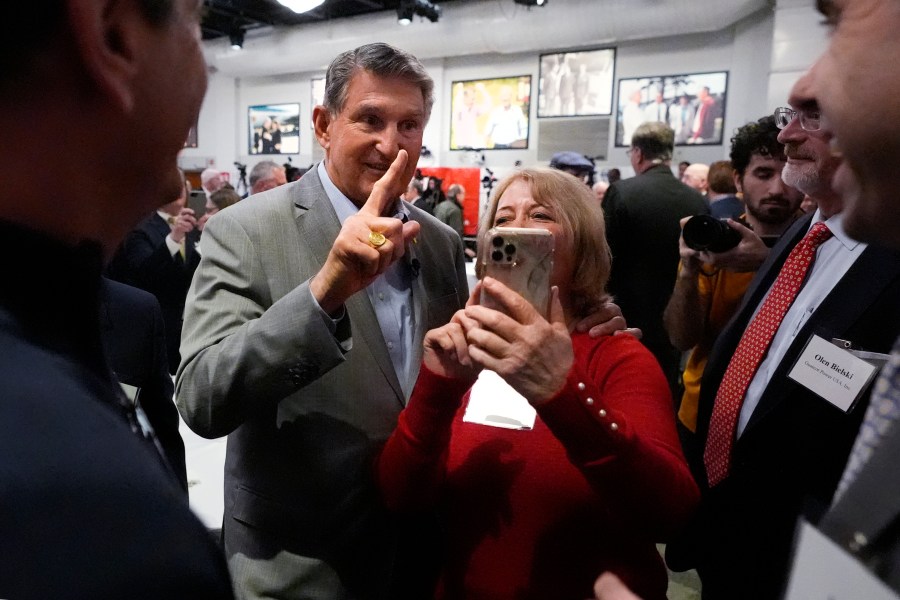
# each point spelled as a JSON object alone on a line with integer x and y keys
{"x": 301, "y": 6}
{"x": 409, "y": 8}
{"x": 531, "y": 2}
{"x": 237, "y": 38}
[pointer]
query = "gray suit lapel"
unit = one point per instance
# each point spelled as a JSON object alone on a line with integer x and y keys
{"x": 318, "y": 226}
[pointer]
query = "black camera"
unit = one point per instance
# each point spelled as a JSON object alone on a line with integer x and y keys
{"x": 703, "y": 232}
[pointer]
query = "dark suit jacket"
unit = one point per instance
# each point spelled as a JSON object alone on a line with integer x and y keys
{"x": 305, "y": 417}
{"x": 134, "y": 338}
{"x": 642, "y": 226}
{"x": 145, "y": 262}
{"x": 792, "y": 452}
{"x": 88, "y": 507}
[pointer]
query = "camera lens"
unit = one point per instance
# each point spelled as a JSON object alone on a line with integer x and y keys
{"x": 510, "y": 248}
{"x": 496, "y": 256}
{"x": 703, "y": 232}
{"x": 497, "y": 241}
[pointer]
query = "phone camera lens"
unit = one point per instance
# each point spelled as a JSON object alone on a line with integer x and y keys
{"x": 510, "y": 248}
{"x": 497, "y": 256}
{"x": 497, "y": 241}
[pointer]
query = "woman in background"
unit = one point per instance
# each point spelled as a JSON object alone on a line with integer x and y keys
{"x": 594, "y": 479}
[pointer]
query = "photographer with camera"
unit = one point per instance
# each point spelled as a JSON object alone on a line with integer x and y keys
{"x": 720, "y": 257}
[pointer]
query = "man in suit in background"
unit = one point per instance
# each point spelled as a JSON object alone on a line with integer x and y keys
{"x": 414, "y": 196}
{"x": 265, "y": 175}
{"x": 303, "y": 338}
{"x": 642, "y": 227}
{"x": 160, "y": 256}
{"x": 89, "y": 507}
{"x": 134, "y": 337}
{"x": 780, "y": 452}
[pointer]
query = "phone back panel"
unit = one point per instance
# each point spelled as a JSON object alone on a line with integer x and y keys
{"x": 522, "y": 259}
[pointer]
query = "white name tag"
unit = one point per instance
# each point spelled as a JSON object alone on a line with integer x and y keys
{"x": 832, "y": 373}
{"x": 494, "y": 402}
{"x": 823, "y": 571}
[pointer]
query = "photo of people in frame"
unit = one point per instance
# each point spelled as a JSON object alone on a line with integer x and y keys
{"x": 490, "y": 114}
{"x": 274, "y": 129}
{"x": 575, "y": 84}
{"x": 692, "y": 104}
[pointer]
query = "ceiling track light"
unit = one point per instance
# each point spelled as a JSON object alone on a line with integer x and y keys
{"x": 424, "y": 8}
{"x": 301, "y": 6}
{"x": 236, "y": 36}
{"x": 531, "y": 2}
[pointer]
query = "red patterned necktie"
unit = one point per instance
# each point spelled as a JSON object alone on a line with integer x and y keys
{"x": 751, "y": 350}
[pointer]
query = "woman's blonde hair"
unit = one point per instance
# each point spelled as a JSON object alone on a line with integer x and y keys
{"x": 579, "y": 213}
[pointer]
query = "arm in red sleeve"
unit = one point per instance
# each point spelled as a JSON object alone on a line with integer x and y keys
{"x": 411, "y": 467}
{"x": 615, "y": 418}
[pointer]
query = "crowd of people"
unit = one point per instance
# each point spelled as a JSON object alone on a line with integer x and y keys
{"x": 391, "y": 433}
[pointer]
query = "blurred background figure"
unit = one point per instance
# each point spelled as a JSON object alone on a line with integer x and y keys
{"x": 695, "y": 176}
{"x": 450, "y": 209}
{"x": 681, "y": 167}
{"x": 414, "y": 196}
{"x": 613, "y": 175}
{"x": 265, "y": 175}
{"x": 723, "y": 200}
{"x": 599, "y": 189}
{"x": 211, "y": 180}
{"x": 577, "y": 164}
{"x": 160, "y": 256}
{"x": 218, "y": 201}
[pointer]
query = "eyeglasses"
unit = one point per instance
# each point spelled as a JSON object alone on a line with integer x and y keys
{"x": 810, "y": 120}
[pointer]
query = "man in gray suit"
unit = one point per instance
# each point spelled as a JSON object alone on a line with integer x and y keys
{"x": 303, "y": 338}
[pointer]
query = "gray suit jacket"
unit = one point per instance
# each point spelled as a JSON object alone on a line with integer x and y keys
{"x": 304, "y": 417}
{"x": 871, "y": 506}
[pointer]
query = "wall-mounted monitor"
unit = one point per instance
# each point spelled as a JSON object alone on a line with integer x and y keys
{"x": 274, "y": 129}
{"x": 692, "y": 104}
{"x": 490, "y": 114}
{"x": 576, "y": 84}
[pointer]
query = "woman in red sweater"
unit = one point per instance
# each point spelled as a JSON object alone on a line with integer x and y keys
{"x": 567, "y": 464}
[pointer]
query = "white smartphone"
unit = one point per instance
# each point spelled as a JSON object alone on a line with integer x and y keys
{"x": 522, "y": 259}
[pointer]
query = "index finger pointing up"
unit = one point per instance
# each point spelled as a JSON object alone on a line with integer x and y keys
{"x": 384, "y": 192}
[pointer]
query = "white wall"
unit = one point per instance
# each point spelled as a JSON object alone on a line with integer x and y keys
{"x": 751, "y": 50}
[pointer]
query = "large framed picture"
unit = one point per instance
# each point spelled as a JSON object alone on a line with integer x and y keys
{"x": 692, "y": 104}
{"x": 576, "y": 84}
{"x": 490, "y": 114}
{"x": 274, "y": 129}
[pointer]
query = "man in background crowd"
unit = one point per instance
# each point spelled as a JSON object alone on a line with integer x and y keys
{"x": 265, "y": 175}
{"x": 90, "y": 507}
{"x": 642, "y": 227}
{"x": 160, "y": 256}
{"x": 711, "y": 285}
{"x": 695, "y": 176}
{"x": 414, "y": 196}
{"x": 211, "y": 180}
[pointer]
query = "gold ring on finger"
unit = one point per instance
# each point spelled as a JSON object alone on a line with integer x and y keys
{"x": 377, "y": 239}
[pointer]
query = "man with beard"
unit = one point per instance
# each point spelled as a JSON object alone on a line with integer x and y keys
{"x": 774, "y": 449}
{"x": 710, "y": 285}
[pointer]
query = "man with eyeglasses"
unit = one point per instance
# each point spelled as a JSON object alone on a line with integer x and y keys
{"x": 774, "y": 443}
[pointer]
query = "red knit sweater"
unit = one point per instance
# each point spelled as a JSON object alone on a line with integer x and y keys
{"x": 541, "y": 513}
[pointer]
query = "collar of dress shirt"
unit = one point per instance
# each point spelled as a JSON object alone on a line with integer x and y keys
{"x": 836, "y": 225}
{"x": 343, "y": 206}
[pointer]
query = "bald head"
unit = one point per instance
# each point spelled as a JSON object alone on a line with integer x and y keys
{"x": 695, "y": 176}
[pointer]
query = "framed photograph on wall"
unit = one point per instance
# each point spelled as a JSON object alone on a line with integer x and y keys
{"x": 575, "y": 84}
{"x": 317, "y": 95}
{"x": 274, "y": 129}
{"x": 490, "y": 114}
{"x": 692, "y": 104}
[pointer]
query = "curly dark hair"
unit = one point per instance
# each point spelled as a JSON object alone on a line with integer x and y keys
{"x": 760, "y": 137}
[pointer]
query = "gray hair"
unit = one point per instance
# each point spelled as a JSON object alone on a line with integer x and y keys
{"x": 379, "y": 59}
{"x": 656, "y": 141}
{"x": 264, "y": 169}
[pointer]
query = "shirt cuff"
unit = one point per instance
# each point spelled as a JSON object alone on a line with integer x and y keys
{"x": 173, "y": 246}
{"x": 339, "y": 327}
